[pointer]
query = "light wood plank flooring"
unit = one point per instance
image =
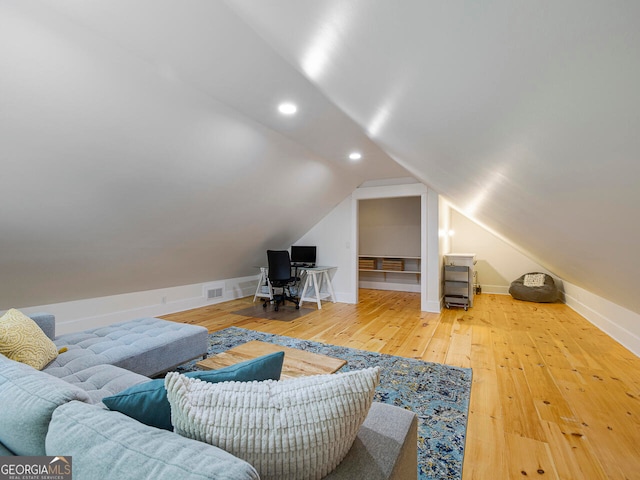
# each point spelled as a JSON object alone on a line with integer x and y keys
{"x": 552, "y": 398}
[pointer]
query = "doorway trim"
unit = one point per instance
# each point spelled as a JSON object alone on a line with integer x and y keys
{"x": 429, "y": 241}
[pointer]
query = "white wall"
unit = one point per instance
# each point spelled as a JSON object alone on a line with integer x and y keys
{"x": 336, "y": 237}
{"x": 431, "y": 252}
{"x": 390, "y": 227}
{"x": 332, "y": 237}
{"x": 80, "y": 315}
{"x": 429, "y": 269}
{"x": 620, "y": 323}
{"x": 444, "y": 239}
{"x": 138, "y": 148}
{"x": 498, "y": 263}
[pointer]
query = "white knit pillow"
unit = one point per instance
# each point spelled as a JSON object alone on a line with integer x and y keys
{"x": 292, "y": 429}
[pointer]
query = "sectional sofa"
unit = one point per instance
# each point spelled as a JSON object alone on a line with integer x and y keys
{"x": 59, "y": 411}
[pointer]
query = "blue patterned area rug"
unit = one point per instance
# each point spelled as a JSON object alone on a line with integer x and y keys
{"x": 438, "y": 394}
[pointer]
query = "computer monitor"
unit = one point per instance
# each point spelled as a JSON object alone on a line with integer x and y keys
{"x": 303, "y": 255}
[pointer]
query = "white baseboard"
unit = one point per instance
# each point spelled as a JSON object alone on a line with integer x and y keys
{"x": 396, "y": 287}
{"x": 342, "y": 297}
{"x": 495, "y": 289}
{"x": 97, "y": 312}
{"x": 434, "y": 307}
{"x": 600, "y": 312}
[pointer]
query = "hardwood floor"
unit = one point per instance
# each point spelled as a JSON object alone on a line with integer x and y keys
{"x": 552, "y": 395}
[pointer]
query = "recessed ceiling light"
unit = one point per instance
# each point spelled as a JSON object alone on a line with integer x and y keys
{"x": 355, "y": 155}
{"x": 287, "y": 108}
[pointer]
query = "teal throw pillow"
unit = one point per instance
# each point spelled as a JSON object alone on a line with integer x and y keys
{"x": 147, "y": 402}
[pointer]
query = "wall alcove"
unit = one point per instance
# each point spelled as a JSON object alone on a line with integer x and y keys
{"x": 426, "y": 261}
{"x": 389, "y": 256}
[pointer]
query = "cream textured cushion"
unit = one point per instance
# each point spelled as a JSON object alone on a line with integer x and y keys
{"x": 534, "y": 280}
{"x": 22, "y": 340}
{"x": 293, "y": 429}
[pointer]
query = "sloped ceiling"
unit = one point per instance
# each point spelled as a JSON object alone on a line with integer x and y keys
{"x": 525, "y": 115}
{"x": 141, "y": 147}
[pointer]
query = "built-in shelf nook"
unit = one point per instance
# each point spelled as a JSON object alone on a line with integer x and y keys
{"x": 390, "y": 264}
{"x": 389, "y": 244}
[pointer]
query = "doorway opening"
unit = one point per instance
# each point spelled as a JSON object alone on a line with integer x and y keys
{"x": 427, "y": 261}
{"x": 389, "y": 256}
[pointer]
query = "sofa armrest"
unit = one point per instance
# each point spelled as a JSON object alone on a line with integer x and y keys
{"x": 386, "y": 447}
{"x": 47, "y": 322}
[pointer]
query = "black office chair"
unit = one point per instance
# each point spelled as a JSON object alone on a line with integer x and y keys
{"x": 280, "y": 277}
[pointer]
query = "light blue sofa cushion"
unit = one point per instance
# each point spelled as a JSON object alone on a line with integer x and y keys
{"x": 47, "y": 322}
{"x": 102, "y": 381}
{"x": 148, "y": 346}
{"x": 5, "y": 452}
{"x": 109, "y": 445}
{"x": 148, "y": 402}
{"x": 28, "y": 397}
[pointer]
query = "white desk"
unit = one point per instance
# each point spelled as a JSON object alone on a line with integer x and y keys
{"x": 264, "y": 289}
{"x": 315, "y": 278}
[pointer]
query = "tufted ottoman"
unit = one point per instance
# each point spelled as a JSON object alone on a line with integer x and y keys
{"x": 146, "y": 346}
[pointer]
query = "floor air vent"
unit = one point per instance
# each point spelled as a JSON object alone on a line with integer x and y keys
{"x": 214, "y": 293}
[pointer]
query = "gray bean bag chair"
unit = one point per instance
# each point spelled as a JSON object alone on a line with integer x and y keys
{"x": 534, "y": 287}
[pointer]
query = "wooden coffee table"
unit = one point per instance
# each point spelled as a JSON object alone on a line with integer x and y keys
{"x": 297, "y": 363}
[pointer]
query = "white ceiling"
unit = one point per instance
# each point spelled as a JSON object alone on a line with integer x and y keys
{"x": 524, "y": 114}
{"x": 155, "y": 121}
